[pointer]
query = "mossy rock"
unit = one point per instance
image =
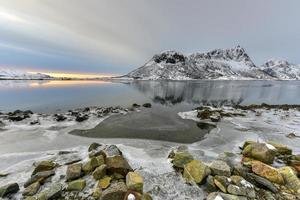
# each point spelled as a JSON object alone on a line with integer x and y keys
{"x": 291, "y": 179}
{"x": 134, "y": 181}
{"x": 181, "y": 159}
{"x": 74, "y": 171}
{"x": 77, "y": 185}
{"x": 104, "y": 182}
{"x": 32, "y": 189}
{"x": 195, "y": 171}
{"x": 99, "y": 172}
{"x": 44, "y": 165}
{"x": 260, "y": 151}
{"x": 281, "y": 149}
{"x": 267, "y": 172}
{"x": 9, "y": 189}
{"x": 222, "y": 182}
{"x": 116, "y": 191}
{"x": 118, "y": 164}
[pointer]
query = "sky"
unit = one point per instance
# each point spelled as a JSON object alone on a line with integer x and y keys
{"x": 115, "y": 37}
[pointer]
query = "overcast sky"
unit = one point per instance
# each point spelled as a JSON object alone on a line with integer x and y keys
{"x": 110, "y": 36}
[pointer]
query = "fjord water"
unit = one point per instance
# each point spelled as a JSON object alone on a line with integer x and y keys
{"x": 54, "y": 96}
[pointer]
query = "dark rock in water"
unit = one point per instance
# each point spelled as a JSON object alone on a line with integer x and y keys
{"x": 32, "y": 189}
{"x": 117, "y": 164}
{"x": 54, "y": 192}
{"x": 81, "y": 118}
{"x": 59, "y": 117}
{"x": 94, "y": 146}
{"x": 147, "y": 105}
{"x": 87, "y": 109}
{"x": 40, "y": 176}
{"x": 19, "y": 115}
{"x": 206, "y": 126}
{"x": 116, "y": 191}
{"x": 44, "y": 165}
{"x": 9, "y": 189}
{"x": 136, "y": 105}
{"x": 34, "y": 122}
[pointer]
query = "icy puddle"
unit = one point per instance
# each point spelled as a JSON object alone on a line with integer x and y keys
{"x": 150, "y": 124}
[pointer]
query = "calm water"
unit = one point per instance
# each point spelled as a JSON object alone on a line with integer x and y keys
{"x": 52, "y": 96}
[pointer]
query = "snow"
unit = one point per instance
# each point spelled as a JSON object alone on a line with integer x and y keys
{"x": 18, "y": 75}
{"x": 218, "y": 197}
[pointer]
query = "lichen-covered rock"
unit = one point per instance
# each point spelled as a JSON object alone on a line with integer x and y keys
{"x": 195, "y": 171}
{"x": 54, "y": 192}
{"x": 281, "y": 149}
{"x": 97, "y": 193}
{"x": 40, "y": 176}
{"x": 77, "y": 185}
{"x": 74, "y": 171}
{"x": 93, "y": 163}
{"x": 267, "y": 172}
{"x": 9, "y": 189}
{"x": 222, "y": 182}
{"x": 291, "y": 179}
{"x": 104, "y": 182}
{"x": 260, "y": 151}
{"x": 219, "y": 167}
{"x": 44, "y": 165}
{"x": 99, "y": 172}
{"x": 117, "y": 164}
{"x": 32, "y": 189}
{"x": 116, "y": 191}
{"x": 181, "y": 159}
{"x": 135, "y": 182}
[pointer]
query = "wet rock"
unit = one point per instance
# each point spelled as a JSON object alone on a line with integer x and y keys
{"x": 34, "y": 122}
{"x": 112, "y": 150}
{"x": 94, "y": 146}
{"x": 74, "y": 171}
{"x": 222, "y": 182}
{"x": 54, "y": 192}
{"x": 182, "y": 158}
{"x": 260, "y": 151}
{"x": 117, "y": 164}
{"x": 281, "y": 149}
{"x": 136, "y": 105}
{"x": 93, "y": 163}
{"x": 104, "y": 182}
{"x": 210, "y": 185}
{"x": 215, "y": 117}
{"x": 195, "y": 171}
{"x": 116, "y": 191}
{"x": 219, "y": 167}
{"x": 45, "y": 165}
{"x": 99, "y": 172}
{"x": 262, "y": 182}
{"x": 290, "y": 178}
{"x": 9, "y": 189}
{"x": 81, "y": 118}
{"x": 59, "y": 117}
{"x": 32, "y": 189}
{"x": 40, "y": 176}
{"x": 267, "y": 172}
{"x": 77, "y": 185}
{"x": 147, "y": 105}
{"x": 291, "y": 135}
{"x": 134, "y": 181}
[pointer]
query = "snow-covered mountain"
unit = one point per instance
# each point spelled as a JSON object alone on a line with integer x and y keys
{"x": 231, "y": 63}
{"x": 20, "y": 75}
{"x": 281, "y": 69}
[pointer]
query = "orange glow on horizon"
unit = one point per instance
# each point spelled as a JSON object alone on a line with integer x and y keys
{"x": 59, "y": 83}
{"x": 75, "y": 75}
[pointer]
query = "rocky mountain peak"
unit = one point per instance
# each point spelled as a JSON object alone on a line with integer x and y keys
{"x": 169, "y": 57}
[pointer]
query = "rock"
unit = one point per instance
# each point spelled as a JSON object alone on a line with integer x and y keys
{"x": 146, "y": 196}
{"x": 93, "y": 163}
{"x": 281, "y": 149}
{"x": 204, "y": 114}
{"x": 113, "y": 150}
{"x": 74, "y": 171}
{"x": 147, "y": 105}
{"x": 215, "y": 117}
{"x": 104, "y": 182}
{"x": 54, "y": 192}
{"x": 136, "y": 105}
{"x": 267, "y": 172}
{"x": 223, "y": 196}
{"x": 45, "y": 165}
{"x": 4, "y": 174}
{"x": 210, "y": 185}
{"x": 9, "y": 189}
{"x": 97, "y": 193}
{"x": 30, "y": 198}
{"x": 94, "y": 146}
{"x": 219, "y": 167}
{"x": 40, "y": 176}
{"x": 132, "y": 195}
{"x": 195, "y": 171}
{"x": 262, "y": 182}
{"x": 182, "y": 158}
{"x": 59, "y": 117}
{"x": 241, "y": 191}
{"x": 117, "y": 164}
{"x": 246, "y": 143}
{"x": 260, "y": 151}
{"x": 99, "y": 172}
{"x": 296, "y": 165}
{"x": 291, "y": 135}
{"x": 134, "y": 182}
{"x": 116, "y": 191}
{"x": 32, "y": 189}
{"x": 290, "y": 178}
{"x": 81, "y": 118}
{"x": 77, "y": 185}
{"x": 222, "y": 182}
{"x": 34, "y": 122}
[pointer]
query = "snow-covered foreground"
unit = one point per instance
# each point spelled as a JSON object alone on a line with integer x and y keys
{"x": 21, "y": 145}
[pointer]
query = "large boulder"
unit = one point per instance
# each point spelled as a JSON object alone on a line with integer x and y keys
{"x": 195, "y": 171}
{"x": 117, "y": 164}
{"x": 99, "y": 172}
{"x": 260, "y": 151}
{"x": 44, "y": 165}
{"x": 267, "y": 172}
{"x": 74, "y": 171}
{"x": 116, "y": 191}
{"x": 182, "y": 158}
{"x": 134, "y": 181}
{"x": 77, "y": 185}
{"x": 291, "y": 179}
{"x": 9, "y": 189}
{"x": 219, "y": 167}
{"x": 32, "y": 189}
